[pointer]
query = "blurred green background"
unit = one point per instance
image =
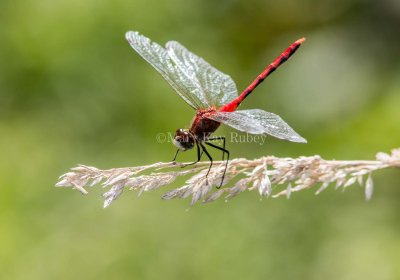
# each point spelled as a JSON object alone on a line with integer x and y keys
{"x": 73, "y": 91}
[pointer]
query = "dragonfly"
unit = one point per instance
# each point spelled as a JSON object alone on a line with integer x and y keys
{"x": 213, "y": 95}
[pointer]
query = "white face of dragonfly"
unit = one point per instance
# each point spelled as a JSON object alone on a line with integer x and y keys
{"x": 183, "y": 139}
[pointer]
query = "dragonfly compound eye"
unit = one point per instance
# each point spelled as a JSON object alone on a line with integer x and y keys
{"x": 183, "y": 139}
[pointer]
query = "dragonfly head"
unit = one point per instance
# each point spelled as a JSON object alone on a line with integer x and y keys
{"x": 183, "y": 139}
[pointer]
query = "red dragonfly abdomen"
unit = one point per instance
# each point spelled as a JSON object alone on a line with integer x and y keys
{"x": 232, "y": 106}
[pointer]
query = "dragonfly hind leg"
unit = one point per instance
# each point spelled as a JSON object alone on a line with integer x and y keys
{"x": 223, "y": 144}
{"x": 223, "y": 153}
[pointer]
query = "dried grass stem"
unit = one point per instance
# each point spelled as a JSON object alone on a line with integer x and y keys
{"x": 264, "y": 174}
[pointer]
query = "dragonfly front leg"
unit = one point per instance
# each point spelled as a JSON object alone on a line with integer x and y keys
{"x": 176, "y": 154}
{"x": 199, "y": 154}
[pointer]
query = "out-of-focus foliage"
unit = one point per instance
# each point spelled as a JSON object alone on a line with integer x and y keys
{"x": 73, "y": 91}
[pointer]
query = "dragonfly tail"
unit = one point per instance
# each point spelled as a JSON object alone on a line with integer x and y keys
{"x": 232, "y": 106}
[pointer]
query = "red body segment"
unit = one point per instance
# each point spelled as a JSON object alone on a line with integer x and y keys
{"x": 202, "y": 127}
{"x": 230, "y": 107}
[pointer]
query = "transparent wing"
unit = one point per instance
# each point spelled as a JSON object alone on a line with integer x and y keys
{"x": 196, "y": 81}
{"x": 258, "y": 122}
{"x": 179, "y": 79}
{"x": 217, "y": 88}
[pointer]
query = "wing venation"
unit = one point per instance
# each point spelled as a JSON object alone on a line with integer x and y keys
{"x": 196, "y": 81}
{"x": 258, "y": 122}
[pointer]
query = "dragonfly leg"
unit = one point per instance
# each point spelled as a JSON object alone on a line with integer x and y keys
{"x": 199, "y": 154}
{"x": 223, "y": 145}
{"x": 176, "y": 154}
{"x": 227, "y": 160}
{"x": 209, "y": 157}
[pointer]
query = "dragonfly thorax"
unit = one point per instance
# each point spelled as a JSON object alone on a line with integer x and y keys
{"x": 184, "y": 140}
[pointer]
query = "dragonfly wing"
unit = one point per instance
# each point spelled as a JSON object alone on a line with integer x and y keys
{"x": 218, "y": 88}
{"x": 174, "y": 74}
{"x": 258, "y": 122}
